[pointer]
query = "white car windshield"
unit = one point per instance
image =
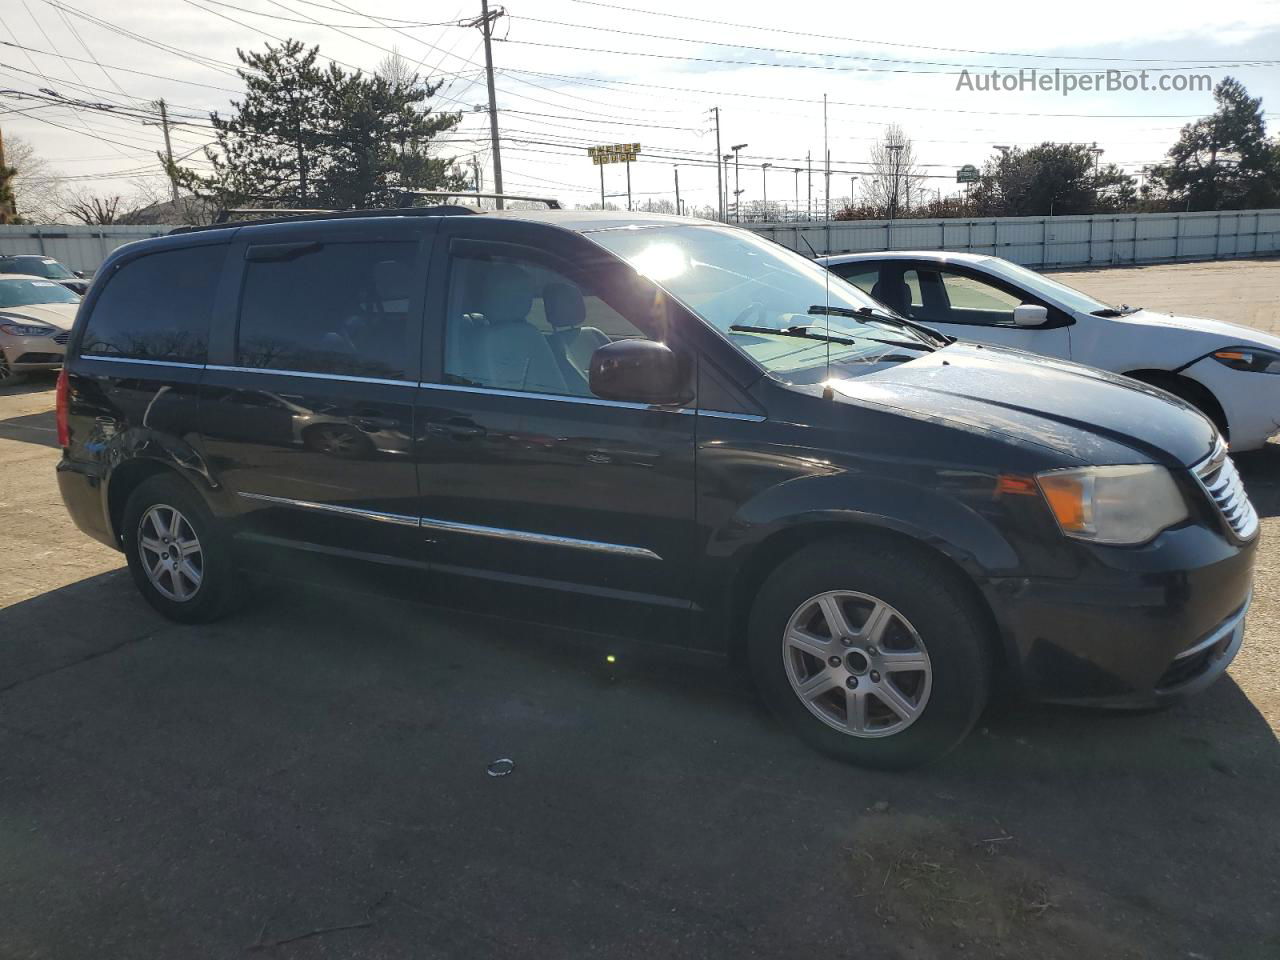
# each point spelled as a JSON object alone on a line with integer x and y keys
{"x": 22, "y": 293}
{"x": 773, "y": 304}
{"x": 1044, "y": 287}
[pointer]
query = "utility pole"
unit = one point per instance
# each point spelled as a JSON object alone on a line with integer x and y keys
{"x": 1097, "y": 152}
{"x": 168, "y": 149}
{"x": 737, "y": 190}
{"x": 476, "y": 175}
{"x": 676, "y": 169}
{"x": 826, "y": 152}
{"x": 628, "y": 184}
{"x": 485, "y": 23}
{"x": 764, "y": 186}
{"x": 808, "y": 163}
{"x": 896, "y": 150}
{"x": 797, "y": 172}
{"x": 719, "y": 169}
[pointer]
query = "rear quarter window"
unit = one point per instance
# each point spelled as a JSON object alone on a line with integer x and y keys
{"x": 157, "y": 307}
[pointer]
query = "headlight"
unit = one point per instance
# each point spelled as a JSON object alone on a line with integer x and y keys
{"x": 1249, "y": 359}
{"x": 1117, "y": 505}
{"x": 24, "y": 330}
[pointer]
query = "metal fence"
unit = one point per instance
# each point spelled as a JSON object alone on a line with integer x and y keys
{"x": 80, "y": 248}
{"x": 1043, "y": 242}
{"x": 1101, "y": 240}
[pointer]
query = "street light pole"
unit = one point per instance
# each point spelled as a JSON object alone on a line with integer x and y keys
{"x": 797, "y": 171}
{"x": 676, "y": 168}
{"x": 737, "y": 190}
{"x": 764, "y": 187}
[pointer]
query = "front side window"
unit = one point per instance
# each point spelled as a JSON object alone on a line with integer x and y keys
{"x": 518, "y": 323}
{"x": 157, "y": 307}
{"x": 338, "y": 308}
{"x": 21, "y": 293}
{"x": 973, "y": 301}
{"x": 761, "y": 295}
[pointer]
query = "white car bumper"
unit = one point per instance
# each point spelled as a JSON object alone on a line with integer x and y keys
{"x": 1251, "y": 401}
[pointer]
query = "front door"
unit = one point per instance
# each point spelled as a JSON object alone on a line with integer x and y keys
{"x": 971, "y": 306}
{"x": 537, "y": 495}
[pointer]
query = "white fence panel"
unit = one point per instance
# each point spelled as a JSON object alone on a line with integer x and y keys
{"x": 1100, "y": 240}
{"x": 80, "y": 248}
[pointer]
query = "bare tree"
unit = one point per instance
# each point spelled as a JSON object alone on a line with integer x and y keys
{"x": 895, "y": 183}
{"x": 395, "y": 69}
{"x": 36, "y": 186}
{"x": 97, "y": 209}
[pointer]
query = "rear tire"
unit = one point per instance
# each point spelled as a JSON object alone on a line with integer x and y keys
{"x": 178, "y": 553}
{"x": 901, "y": 677}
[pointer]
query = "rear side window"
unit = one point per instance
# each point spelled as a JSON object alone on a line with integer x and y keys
{"x": 341, "y": 308}
{"x": 157, "y": 307}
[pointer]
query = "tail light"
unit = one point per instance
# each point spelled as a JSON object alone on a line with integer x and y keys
{"x": 64, "y": 431}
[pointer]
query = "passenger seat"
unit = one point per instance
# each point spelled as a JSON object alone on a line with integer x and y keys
{"x": 510, "y": 352}
{"x": 572, "y": 343}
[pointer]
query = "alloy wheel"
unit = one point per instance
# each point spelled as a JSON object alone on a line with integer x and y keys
{"x": 170, "y": 552}
{"x": 857, "y": 664}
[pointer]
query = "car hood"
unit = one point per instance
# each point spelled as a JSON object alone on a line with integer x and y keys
{"x": 1090, "y": 415}
{"x": 1211, "y": 334}
{"x": 60, "y": 315}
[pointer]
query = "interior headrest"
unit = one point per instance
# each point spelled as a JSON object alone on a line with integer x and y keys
{"x": 392, "y": 279}
{"x": 563, "y": 305}
{"x": 895, "y": 293}
{"x": 507, "y": 294}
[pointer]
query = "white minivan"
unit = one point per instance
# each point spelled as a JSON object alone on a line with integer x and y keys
{"x": 1230, "y": 373}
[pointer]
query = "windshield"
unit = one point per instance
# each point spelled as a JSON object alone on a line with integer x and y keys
{"x": 22, "y": 293}
{"x": 734, "y": 279}
{"x": 36, "y": 267}
{"x": 1042, "y": 286}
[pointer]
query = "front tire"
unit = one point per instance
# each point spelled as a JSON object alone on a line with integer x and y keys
{"x": 178, "y": 553}
{"x": 872, "y": 652}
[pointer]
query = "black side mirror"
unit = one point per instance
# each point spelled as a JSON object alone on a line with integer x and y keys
{"x": 640, "y": 371}
{"x": 79, "y": 273}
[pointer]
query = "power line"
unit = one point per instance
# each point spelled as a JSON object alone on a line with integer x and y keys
{"x": 861, "y": 106}
{"x": 885, "y": 43}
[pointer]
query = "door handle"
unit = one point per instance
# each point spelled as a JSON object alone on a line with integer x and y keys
{"x": 456, "y": 428}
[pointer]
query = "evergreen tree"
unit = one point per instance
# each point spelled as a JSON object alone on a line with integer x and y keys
{"x": 1223, "y": 161}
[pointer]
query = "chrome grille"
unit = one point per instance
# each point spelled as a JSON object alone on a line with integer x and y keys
{"x": 1220, "y": 479}
{"x": 62, "y": 337}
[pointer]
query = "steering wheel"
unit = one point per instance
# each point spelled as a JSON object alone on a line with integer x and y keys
{"x": 755, "y": 311}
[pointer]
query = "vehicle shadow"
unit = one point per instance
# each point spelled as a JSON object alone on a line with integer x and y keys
{"x": 1260, "y": 470}
{"x": 323, "y": 755}
{"x": 38, "y": 428}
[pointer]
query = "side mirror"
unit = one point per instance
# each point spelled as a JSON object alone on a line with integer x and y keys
{"x": 79, "y": 273}
{"x": 639, "y": 371}
{"x": 1030, "y": 315}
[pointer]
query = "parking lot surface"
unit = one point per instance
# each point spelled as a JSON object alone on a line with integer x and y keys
{"x": 308, "y": 778}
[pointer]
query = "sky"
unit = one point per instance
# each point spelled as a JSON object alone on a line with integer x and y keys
{"x": 573, "y": 73}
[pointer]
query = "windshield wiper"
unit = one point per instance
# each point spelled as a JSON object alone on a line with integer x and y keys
{"x": 808, "y": 333}
{"x": 869, "y": 314}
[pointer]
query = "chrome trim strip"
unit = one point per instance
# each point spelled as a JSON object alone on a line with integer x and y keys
{"x": 313, "y": 376}
{"x": 723, "y": 415}
{"x": 146, "y": 363}
{"x": 543, "y": 539}
{"x": 558, "y": 397}
{"x": 397, "y": 518}
{"x": 1213, "y": 638}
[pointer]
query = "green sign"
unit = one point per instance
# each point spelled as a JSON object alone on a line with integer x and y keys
{"x": 967, "y": 174}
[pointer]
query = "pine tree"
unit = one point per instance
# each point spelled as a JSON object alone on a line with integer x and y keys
{"x": 1224, "y": 161}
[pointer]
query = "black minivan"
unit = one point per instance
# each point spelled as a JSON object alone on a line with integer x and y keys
{"x": 660, "y": 429}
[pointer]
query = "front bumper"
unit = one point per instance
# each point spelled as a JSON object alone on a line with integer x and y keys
{"x": 1251, "y": 401}
{"x": 1137, "y": 628}
{"x": 33, "y": 353}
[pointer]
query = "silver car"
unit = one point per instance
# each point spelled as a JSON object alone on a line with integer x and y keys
{"x": 35, "y": 324}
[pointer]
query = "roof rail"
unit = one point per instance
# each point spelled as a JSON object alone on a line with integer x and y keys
{"x": 551, "y": 202}
{"x": 279, "y": 215}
